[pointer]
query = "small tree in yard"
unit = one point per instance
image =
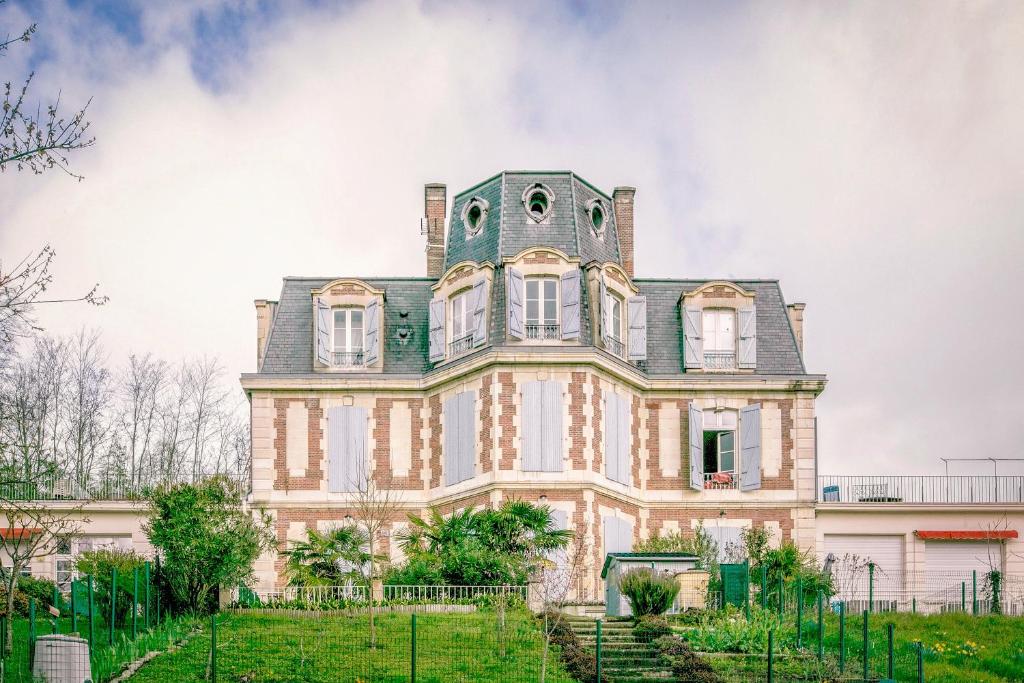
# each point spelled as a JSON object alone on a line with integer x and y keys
{"x": 329, "y": 558}
{"x": 648, "y": 593}
{"x": 374, "y": 508}
{"x": 559, "y": 569}
{"x": 205, "y": 538}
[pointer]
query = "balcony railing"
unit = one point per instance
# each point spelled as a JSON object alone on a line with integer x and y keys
{"x": 719, "y": 360}
{"x": 460, "y": 345}
{"x": 62, "y": 488}
{"x": 714, "y": 481}
{"x": 346, "y": 359}
{"x": 543, "y": 331}
{"x": 615, "y": 346}
{"x": 914, "y": 489}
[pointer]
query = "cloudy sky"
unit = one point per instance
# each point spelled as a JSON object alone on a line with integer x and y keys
{"x": 869, "y": 155}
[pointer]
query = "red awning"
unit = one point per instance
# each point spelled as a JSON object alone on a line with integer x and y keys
{"x": 18, "y": 532}
{"x": 980, "y": 535}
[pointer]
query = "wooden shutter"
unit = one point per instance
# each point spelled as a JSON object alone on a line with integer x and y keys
{"x": 437, "y": 330}
{"x": 750, "y": 448}
{"x": 337, "y": 426}
{"x": 696, "y": 435}
{"x": 323, "y": 332}
{"x": 693, "y": 344}
{"x": 611, "y": 436}
{"x": 618, "y": 535}
{"x": 358, "y": 467}
{"x": 625, "y": 534}
{"x": 571, "y": 304}
{"x": 748, "y": 338}
{"x": 515, "y": 304}
{"x": 625, "y": 457}
{"x": 372, "y": 332}
{"x": 467, "y": 432}
{"x": 346, "y": 449}
{"x": 533, "y": 411}
{"x": 602, "y": 310}
{"x": 552, "y": 427}
{"x": 479, "y": 300}
{"x": 637, "y": 335}
{"x": 452, "y": 439}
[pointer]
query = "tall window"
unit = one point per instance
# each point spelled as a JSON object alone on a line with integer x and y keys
{"x": 613, "y": 323}
{"x": 720, "y": 449}
{"x": 462, "y": 315}
{"x": 542, "y": 308}
{"x": 719, "y": 338}
{"x": 348, "y": 336}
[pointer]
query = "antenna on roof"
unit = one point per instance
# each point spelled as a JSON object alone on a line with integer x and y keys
{"x": 424, "y": 225}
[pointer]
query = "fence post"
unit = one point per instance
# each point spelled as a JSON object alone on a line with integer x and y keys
{"x": 31, "y": 632}
{"x": 55, "y": 621}
{"x": 74, "y": 609}
{"x": 781, "y": 588}
{"x": 412, "y": 654}
{"x": 889, "y": 669}
{"x": 92, "y": 622}
{"x": 799, "y": 613}
{"x": 147, "y": 595}
{"x": 920, "y": 662}
{"x": 913, "y": 604}
{"x": 213, "y": 648}
{"x": 867, "y": 645}
{"x": 963, "y": 596}
{"x": 821, "y": 627}
{"x": 764, "y": 586}
{"x": 871, "y": 587}
{"x": 113, "y": 602}
{"x": 597, "y": 640}
{"x": 771, "y": 655}
{"x": 135, "y": 604}
{"x": 974, "y": 592}
{"x": 842, "y": 636}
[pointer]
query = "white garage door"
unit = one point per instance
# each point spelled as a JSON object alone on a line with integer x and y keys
{"x": 949, "y": 566}
{"x": 850, "y": 573}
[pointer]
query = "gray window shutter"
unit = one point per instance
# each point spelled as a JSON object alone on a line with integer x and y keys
{"x": 467, "y": 430}
{"x": 516, "y": 286}
{"x": 696, "y": 434}
{"x": 611, "y": 436}
{"x": 625, "y": 457}
{"x": 358, "y": 468}
{"x": 571, "y": 304}
{"x": 436, "y": 330}
{"x": 480, "y": 312}
{"x": 337, "y": 427}
{"x": 533, "y": 411}
{"x": 559, "y": 520}
{"x": 346, "y": 449}
{"x": 323, "y": 332}
{"x": 603, "y": 311}
{"x": 748, "y": 338}
{"x": 372, "y": 332}
{"x": 625, "y": 536}
{"x": 452, "y": 439}
{"x": 693, "y": 344}
{"x": 750, "y": 448}
{"x": 618, "y": 535}
{"x": 552, "y": 427}
{"x": 637, "y": 310}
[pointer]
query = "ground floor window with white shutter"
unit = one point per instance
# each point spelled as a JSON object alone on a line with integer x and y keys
{"x": 542, "y": 442}
{"x": 459, "y": 438}
{"x": 720, "y": 449}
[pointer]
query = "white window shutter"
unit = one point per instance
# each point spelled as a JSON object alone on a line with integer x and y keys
{"x": 533, "y": 411}
{"x": 552, "y": 427}
{"x": 437, "y": 330}
{"x": 611, "y": 436}
{"x": 625, "y": 457}
{"x": 603, "y": 312}
{"x": 748, "y": 339}
{"x": 571, "y": 304}
{"x": 696, "y": 434}
{"x": 479, "y": 300}
{"x": 625, "y": 536}
{"x": 358, "y": 467}
{"x": 346, "y": 449}
{"x": 514, "y": 294}
{"x": 637, "y": 310}
{"x": 323, "y": 332}
{"x": 337, "y": 428}
{"x": 452, "y": 439}
{"x": 750, "y": 448}
{"x": 693, "y": 344}
{"x": 467, "y": 429}
{"x": 370, "y": 349}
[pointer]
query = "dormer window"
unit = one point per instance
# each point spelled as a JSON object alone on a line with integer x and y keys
{"x": 538, "y": 201}
{"x": 613, "y": 322}
{"x": 598, "y": 216}
{"x": 462, "y": 323}
{"x": 474, "y": 215}
{"x": 719, "y": 325}
{"x": 347, "y": 337}
{"x": 542, "y": 308}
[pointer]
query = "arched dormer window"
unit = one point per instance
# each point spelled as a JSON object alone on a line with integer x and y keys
{"x": 474, "y": 215}
{"x": 538, "y": 200}
{"x": 719, "y": 328}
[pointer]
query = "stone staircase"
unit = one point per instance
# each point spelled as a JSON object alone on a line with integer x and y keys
{"x": 623, "y": 658}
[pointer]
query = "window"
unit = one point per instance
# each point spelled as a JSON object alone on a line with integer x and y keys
{"x": 346, "y": 449}
{"x": 719, "y": 332}
{"x": 542, "y": 308}
{"x": 63, "y": 564}
{"x": 474, "y": 215}
{"x": 613, "y": 323}
{"x": 720, "y": 449}
{"x": 538, "y": 201}
{"x": 347, "y": 343}
{"x": 459, "y": 438}
{"x": 462, "y": 322}
{"x": 598, "y": 216}
{"x": 542, "y": 443}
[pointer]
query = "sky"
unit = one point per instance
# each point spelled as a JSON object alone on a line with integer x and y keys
{"x": 869, "y": 155}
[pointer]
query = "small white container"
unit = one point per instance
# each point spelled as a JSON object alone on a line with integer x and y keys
{"x": 62, "y": 659}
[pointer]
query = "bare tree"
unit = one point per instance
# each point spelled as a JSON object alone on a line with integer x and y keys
{"x": 559, "y": 574}
{"x": 139, "y": 388}
{"x": 88, "y": 406}
{"x": 374, "y": 508}
{"x": 34, "y": 139}
{"x": 206, "y": 399}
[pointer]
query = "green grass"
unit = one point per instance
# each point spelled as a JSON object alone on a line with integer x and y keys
{"x": 316, "y": 648}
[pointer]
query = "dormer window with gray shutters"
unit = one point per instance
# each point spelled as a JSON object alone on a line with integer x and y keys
{"x": 458, "y": 324}
{"x": 544, "y": 308}
{"x": 347, "y": 327}
{"x": 622, "y": 320}
{"x": 719, "y": 328}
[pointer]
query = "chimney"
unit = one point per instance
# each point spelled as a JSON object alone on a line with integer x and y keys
{"x": 796, "y": 319}
{"x": 434, "y": 203}
{"x": 265, "y": 311}
{"x": 622, "y": 198}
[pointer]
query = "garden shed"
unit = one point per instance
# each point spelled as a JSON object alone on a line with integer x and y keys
{"x": 617, "y": 564}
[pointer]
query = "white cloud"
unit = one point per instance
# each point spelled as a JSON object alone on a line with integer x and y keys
{"x": 866, "y": 155}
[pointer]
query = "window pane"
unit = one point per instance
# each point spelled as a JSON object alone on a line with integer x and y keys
{"x": 728, "y": 461}
{"x": 549, "y": 289}
{"x": 727, "y": 439}
{"x": 726, "y": 336}
{"x": 458, "y": 304}
{"x": 357, "y": 317}
{"x": 550, "y": 313}
{"x": 531, "y": 311}
{"x": 531, "y": 289}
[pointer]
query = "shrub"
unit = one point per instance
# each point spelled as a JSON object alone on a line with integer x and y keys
{"x": 686, "y": 664}
{"x": 648, "y": 592}
{"x": 578, "y": 660}
{"x": 100, "y": 565}
{"x": 30, "y": 587}
{"x": 649, "y": 628}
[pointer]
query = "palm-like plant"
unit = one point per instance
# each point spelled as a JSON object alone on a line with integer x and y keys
{"x": 331, "y": 558}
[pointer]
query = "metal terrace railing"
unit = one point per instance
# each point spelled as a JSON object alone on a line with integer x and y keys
{"x": 543, "y": 331}
{"x": 615, "y": 346}
{"x": 719, "y": 360}
{"x": 71, "y": 488}
{"x": 714, "y": 481}
{"x": 921, "y": 489}
{"x": 346, "y": 359}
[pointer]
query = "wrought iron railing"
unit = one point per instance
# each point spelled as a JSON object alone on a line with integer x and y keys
{"x": 543, "y": 331}
{"x": 346, "y": 359}
{"x": 461, "y": 345}
{"x": 615, "y": 346}
{"x": 920, "y": 489}
{"x": 719, "y": 360}
{"x": 720, "y": 480}
{"x": 72, "y": 488}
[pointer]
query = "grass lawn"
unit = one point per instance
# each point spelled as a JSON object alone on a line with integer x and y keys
{"x": 274, "y": 648}
{"x": 957, "y": 647}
